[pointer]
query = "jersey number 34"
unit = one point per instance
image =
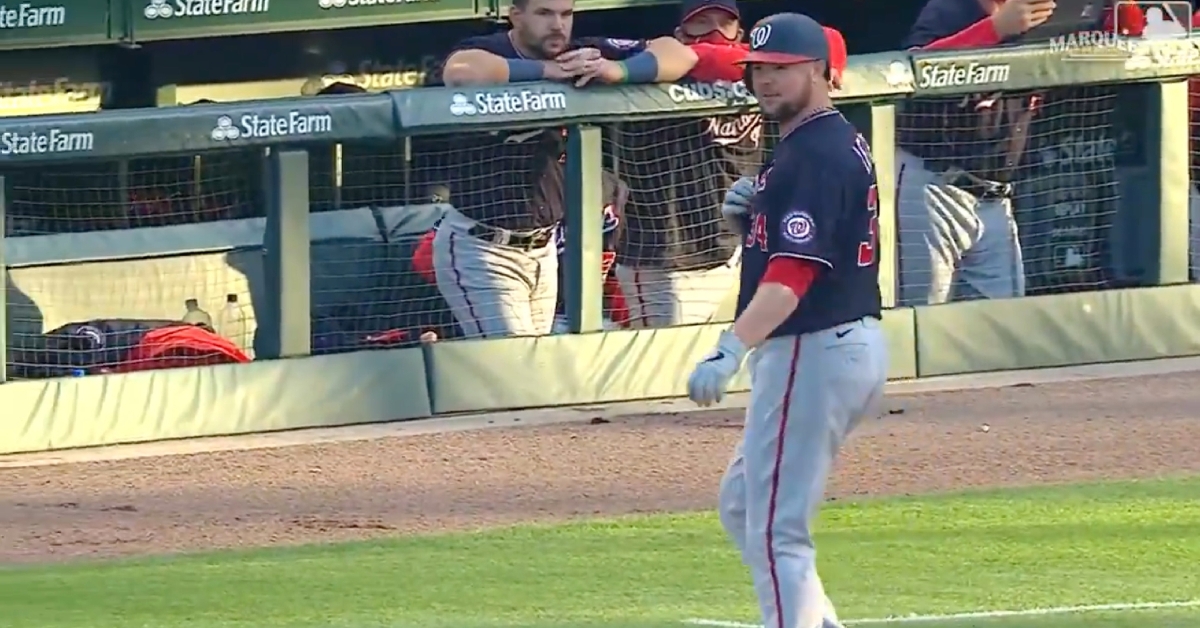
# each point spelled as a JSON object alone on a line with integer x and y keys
{"x": 868, "y": 250}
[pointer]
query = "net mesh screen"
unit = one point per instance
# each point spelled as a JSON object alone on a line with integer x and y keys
{"x": 1004, "y": 191}
{"x": 67, "y": 319}
{"x": 676, "y": 259}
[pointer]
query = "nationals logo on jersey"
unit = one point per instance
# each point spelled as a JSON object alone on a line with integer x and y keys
{"x": 798, "y": 227}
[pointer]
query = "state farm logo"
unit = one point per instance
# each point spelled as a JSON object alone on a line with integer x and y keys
{"x": 167, "y": 9}
{"x": 269, "y": 126}
{"x": 497, "y": 103}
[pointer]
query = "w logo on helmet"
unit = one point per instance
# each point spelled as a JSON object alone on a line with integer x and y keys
{"x": 760, "y": 36}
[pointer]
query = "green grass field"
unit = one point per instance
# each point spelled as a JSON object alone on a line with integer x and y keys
{"x": 1039, "y": 548}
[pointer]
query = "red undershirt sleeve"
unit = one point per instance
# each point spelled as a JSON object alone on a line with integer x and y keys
{"x": 793, "y": 273}
{"x": 981, "y": 34}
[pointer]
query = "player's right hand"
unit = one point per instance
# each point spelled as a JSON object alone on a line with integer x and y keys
{"x": 710, "y": 378}
{"x": 737, "y": 199}
{"x": 1017, "y": 17}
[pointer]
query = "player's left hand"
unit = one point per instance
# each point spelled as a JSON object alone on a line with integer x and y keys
{"x": 711, "y": 376}
{"x": 579, "y": 63}
{"x": 602, "y": 71}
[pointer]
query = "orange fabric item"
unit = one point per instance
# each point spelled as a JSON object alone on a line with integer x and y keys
{"x": 178, "y": 346}
{"x": 794, "y": 273}
{"x": 422, "y": 259}
{"x": 981, "y": 34}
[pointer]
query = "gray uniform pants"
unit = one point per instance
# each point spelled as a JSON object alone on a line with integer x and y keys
{"x": 494, "y": 290}
{"x": 807, "y": 393}
{"x": 952, "y": 245}
{"x": 662, "y": 298}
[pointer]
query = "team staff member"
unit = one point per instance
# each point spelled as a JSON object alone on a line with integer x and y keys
{"x": 957, "y": 158}
{"x": 677, "y": 263}
{"x": 809, "y": 305}
{"x": 493, "y": 254}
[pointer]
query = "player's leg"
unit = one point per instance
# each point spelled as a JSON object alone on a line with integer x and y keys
{"x": 647, "y": 295}
{"x": 809, "y": 393}
{"x": 544, "y": 297}
{"x": 928, "y": 215}
{"x": 732, "y": 511}
{"x": 483, "y": 283}
{"x": 993, "y": 268}
{"x": 731, "y": 501}
{"x": 699, "y": 294}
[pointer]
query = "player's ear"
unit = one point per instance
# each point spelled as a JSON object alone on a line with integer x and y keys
{"x": 678, "y": 34}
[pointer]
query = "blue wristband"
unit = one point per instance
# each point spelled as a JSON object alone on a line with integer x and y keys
{"x": 641, "y": 68}
{"x": 525, "y": 70}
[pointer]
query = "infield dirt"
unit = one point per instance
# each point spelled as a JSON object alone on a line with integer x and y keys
{"x": 1100, "y": 429}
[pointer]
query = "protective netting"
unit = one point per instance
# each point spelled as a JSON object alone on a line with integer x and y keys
{"x": 152, "y": 192}
{"x": 1005, "y": 194}
{"x": 677, "y": 260}
{"x": 200, "y": 218}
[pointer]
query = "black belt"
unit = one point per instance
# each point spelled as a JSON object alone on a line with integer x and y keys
{"x": 981, "y": 188}
{"x": 978, "y": 187}
{"x": 525, "y": 240}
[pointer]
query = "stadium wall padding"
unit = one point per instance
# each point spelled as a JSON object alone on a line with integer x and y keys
{"x": 1058, "y": 330}
{"x": 607, "y": 367}
{"x": 502, "y": 374}
{"x": 321, "y": 391}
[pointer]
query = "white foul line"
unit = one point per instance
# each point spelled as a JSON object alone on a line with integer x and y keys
{"x": 1060, "y": 610}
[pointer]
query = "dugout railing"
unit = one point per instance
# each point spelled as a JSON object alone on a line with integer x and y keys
{"x": 1156, "y": 317}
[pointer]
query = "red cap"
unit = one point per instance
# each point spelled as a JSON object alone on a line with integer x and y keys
{"x": 837, "y": 49}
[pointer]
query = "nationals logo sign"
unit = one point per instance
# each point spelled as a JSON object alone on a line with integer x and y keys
{"x": 730, "y": 130}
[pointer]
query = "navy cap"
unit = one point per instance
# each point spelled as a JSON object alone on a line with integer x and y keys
{"x": 688, "y": 8}
{"x": 786, "y": 38}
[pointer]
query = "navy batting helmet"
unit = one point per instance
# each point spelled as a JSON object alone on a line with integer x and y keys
{"x": 787, "y": 38}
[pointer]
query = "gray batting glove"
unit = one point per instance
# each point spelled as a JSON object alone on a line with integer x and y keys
{"x": 737, "y": 201}
{"x": 710, "y": 378}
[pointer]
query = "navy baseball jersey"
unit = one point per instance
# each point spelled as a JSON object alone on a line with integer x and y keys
{"x": 509, "y": 179}
{"x": 818, "y": 200}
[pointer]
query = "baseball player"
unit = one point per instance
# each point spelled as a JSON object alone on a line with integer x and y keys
{"x": 677, "y": 263}
{"x": 493, "y": 254}
{"x": 809, "y": 307}
{"x": 957, "y": 159}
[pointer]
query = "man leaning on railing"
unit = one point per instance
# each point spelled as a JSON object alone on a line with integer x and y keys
{"x": 958, "y": 159}
{"x": 493, "y": 254}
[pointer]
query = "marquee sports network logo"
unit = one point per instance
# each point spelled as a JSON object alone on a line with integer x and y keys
{"x": 1167, "y": 30}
